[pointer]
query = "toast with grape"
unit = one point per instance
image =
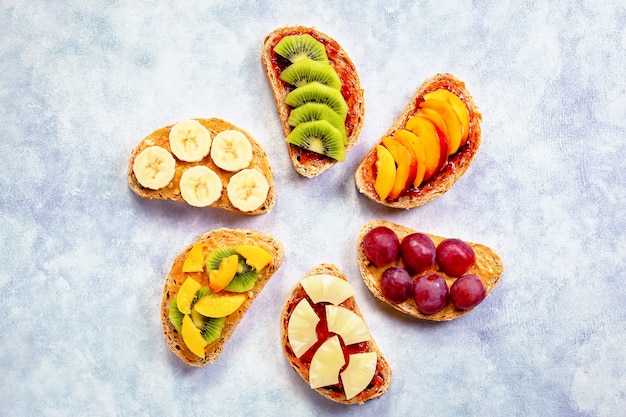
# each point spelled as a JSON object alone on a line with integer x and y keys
{"x": 209, "y": 288}
{"x": 318, "y": 96}
{"x": 327, "y": 341}
{"x": 423, "y": 275}
{"x": 426, "y": 150}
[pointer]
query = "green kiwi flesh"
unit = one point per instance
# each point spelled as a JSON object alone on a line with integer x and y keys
{"x": 298, "y": 47}
{"x": 319, "y": 136}
{"x": 317, "y": 111}
{"x": 245, "y": 277}
{"x": 210, "y": 328}
{"x": 318, "y": 93}
{"x": 308, "y": 70}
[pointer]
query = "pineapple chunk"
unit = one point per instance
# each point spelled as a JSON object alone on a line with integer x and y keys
{"x": 301, "y": 329}
{"x": 327, "y": 288}
{"x": 326, "y": 364}
{"x": 346, "y": 324}
{"x": 186, "y": 295}
{"x": 359, "y": 372}
{"x": 192, "y": 337}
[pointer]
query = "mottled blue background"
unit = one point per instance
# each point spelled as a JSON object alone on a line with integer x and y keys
{"x": 83, "y": 259}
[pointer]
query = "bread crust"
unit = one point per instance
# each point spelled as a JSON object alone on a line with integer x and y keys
{"x": 307, "y": 163}
{"x": 457, "y": 165}
{"x": 488, "y": 267}
{"x": 382, "y": 377}
{"x": 160, "y": 138}
{"x": 223, "y": 237}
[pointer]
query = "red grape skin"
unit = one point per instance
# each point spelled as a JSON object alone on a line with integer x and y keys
{"x": 418, "y": 253}
{"x": 455, "y": 257}
{"x": 430, "y": 293}
{"x": 467, "y": 292}
{"x": 381, "y": 246}
{"x": 396, "y": 284}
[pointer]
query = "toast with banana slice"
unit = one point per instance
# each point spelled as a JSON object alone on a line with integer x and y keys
{"x": 205, "y": 163}
{"x": 327, "y": 341}
{"x": 426, "y": 150}
{"x": 318, "y": 96}
{"x": 488, "y": 266}
{"x": 209, "y": 288}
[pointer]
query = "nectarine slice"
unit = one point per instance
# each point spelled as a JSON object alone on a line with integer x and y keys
{"x": 457, "y": 104}
{"x": 435, "y": 145}
{"x": 385, "y": 172}
{"x": 453, "y": 123}
{"x": 418, "y": 149}
{"x": 406, "y": 165}
{"x": 434, "y": 117}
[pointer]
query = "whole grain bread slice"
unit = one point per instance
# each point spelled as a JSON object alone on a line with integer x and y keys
{"x": 307, "y": 163}
{"x": 382, "y": 378}
{"x": 160, "y": 138}
{"x": 365, "y": 173}
{"x": 488, "y": 267}
{"x": 224, "y": 237}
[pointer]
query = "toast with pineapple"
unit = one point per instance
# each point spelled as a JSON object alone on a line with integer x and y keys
{"x": 318, "y": 96}
{"x": 205, "y": 163}
{"x": 424, "y": 275}
{"x": 426, "y": 150}
{"x": 209, "y": 288}
{"x": 327, "y": 341}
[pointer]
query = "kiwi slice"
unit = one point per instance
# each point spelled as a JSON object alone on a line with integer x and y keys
{"x": 318, "y": 93}
{"x": 175, "y": 316}
{"x": 212, "y": 328}
{"x": 244, "y": 278}
{"x": 319, "y": 136}
{"x": 298, "y": 47}
{"x": 317, "y": 111}
{"x": 307, "y": 70}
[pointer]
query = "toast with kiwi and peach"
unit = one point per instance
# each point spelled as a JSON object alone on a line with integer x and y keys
{"x": 327, "y": 341}
{"x": 318, "y": 96}
{"x": 424, "y": 275}
{"x": 426, "y": 150}
{"x": 209, "y": 288}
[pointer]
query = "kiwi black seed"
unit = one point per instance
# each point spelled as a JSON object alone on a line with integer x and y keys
{"x": 318, "y": 111}
{"x": 318, "y": 93}
{"x": 307, "y": 70}
{"x": 298, "y": 47}
{"x": 212, "y": 328}
{"x": 319, "y": 136}
{"x": 244, "y": 278}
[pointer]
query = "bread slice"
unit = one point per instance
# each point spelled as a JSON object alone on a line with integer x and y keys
{"x": 457, "y": 165}
{"x": 160, "y": 138}
{"x": 306, "y": 163}
{"x": 382, "y": 377}
{"x": 488, "y": 267}
{"x": 215, "y": 239}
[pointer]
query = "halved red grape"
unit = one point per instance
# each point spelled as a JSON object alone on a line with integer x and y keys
{"x": 455, "y": 257}
{"x": 381, "y": 246}
{"x": 467, "y": 292}
{"x": 396, "y": 284}
{"x": 430, "y": 293}
{"x": 418, "y": 253}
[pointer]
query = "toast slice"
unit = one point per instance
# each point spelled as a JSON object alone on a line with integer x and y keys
{"x": 488, "y": 267}
{"x": 172, "y": 191}
{"x": 307, "y": 163}
{"x": 457, "y": 164}
{"x": 219, "y": 238}
{"x": 381, "y": 379}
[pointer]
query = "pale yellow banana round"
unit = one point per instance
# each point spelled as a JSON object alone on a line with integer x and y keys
{"x": 247, "y": 189}
{"x": 231, "y": 150}
{"x": 190, "y": 141}
{"x": 154, "y": 167}
{"x": 200, "y": 186}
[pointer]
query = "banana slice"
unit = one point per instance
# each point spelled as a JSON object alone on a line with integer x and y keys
{"x": 190, "y": 141}
{"x": 247, "y": 189}
{"x": 231, "y": 150}
{"x": 154, "y": 167}
{"x": 200, "y": 186}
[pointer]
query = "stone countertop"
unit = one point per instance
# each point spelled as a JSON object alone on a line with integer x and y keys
{"x": 84, "y": 259}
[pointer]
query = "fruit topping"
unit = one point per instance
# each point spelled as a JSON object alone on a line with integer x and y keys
{"x": 190, "y": 141}
{"x": 154, "y": 167}
{"x": 247, "y": 189}
{"x": 194, "y": 261}
{"x": 430, "y": 293}
{"x": 385, "y": 172}
{"x": 359, "y": 372}
{"x": 222, "y": 276}
{"x": 326, "y": 363}
{"x": 319, "y": 136}
{"x": 418, "y": 253}
{"x": 216, "y": 306}
{"x": 193, "y": 337}
{"x": 187, "y": 294}
{"x": 302, "y": 328}
{"x": 200, "y": 186}
{"x": 346, "y": 324}
{"x": 381, "y": 246}
{"x": 231, "y": 150}
{"x": 467, "y": 292}
{"x": 258, "y": 258}
{"x": 455, "y": 257}
{"x": 299, "y": 47}
{"x": 396, "y": 284}
{"x": 327, "y": 288}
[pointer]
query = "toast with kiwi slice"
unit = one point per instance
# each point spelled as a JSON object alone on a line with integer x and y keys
{"x": 199, "y": 310}
{"x": 318, "y": 96}
{"x": 447, "y": 170}
{"x": 321, "y": 323}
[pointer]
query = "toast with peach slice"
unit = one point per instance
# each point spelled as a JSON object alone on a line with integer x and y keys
{"x": 442, "y": 125}
{"x": 199, "y": 315}
{"x": 327, "y": 342}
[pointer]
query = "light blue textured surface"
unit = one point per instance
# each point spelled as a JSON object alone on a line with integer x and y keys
{"x": 83, "y": 259}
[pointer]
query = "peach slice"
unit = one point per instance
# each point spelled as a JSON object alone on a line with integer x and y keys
{"x": 216, "y": 306}
{"x": 453, "y": 123}
{"x": 434, "y": 117}
{"x": 435, "y": 144}
{"x": 406, "y": 165}
{"x": 224, "y": 274}
{"x": 194, "y": 262}
{"x": 258, "y": 258}
{"x": 418, "y": 149}
{"x": 186, "y": 295}
{"x": 193, "y": 337}
{"x": 457, "y": 104}
{"x": 385, "y": 172}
